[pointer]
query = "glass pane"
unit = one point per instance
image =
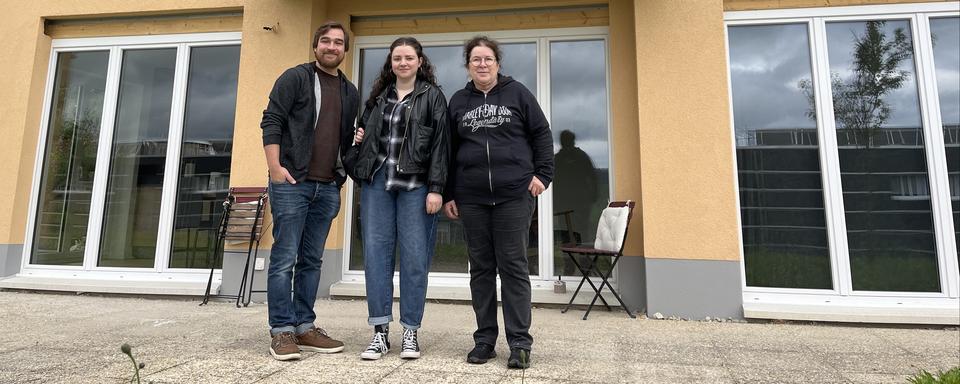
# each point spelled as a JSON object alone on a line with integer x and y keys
{"x": 205, "y": 153}
{"x": 519, "y": 61}
{"x": 447, "y": 63}
{"x": 70, "y": 157}
{"x": 579, "y": 106}
{"x": 883, "y": 166}
{"x": 945, "y": 34}
{"x": 135, "y": 181}
{"x": 778, "y": 162}
{"x": 450, "y": 252}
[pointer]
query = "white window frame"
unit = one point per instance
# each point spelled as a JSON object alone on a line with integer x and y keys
{"x": 542, "y": 38}
{"x": 842, "y": 295}
{"x": 161, "y": 271}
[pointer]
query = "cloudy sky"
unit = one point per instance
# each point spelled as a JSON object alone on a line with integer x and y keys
{"x": 211, "y": 93}
{"x": 767, "y": 62}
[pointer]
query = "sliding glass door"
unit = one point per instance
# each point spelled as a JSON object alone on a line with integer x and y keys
{"x": 135, "y": 152}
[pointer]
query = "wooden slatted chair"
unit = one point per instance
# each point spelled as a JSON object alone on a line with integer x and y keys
{"x": 242, "y": 220}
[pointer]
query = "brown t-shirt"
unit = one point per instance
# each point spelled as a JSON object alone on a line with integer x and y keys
{"x": 326, "y": 136}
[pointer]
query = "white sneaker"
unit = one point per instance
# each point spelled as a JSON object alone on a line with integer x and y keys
{"x": 378, "y": 347}
{"x": 410, "y": 348}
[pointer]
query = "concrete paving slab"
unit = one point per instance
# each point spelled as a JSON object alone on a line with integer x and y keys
{"x": 76, "y": 339}
{"x": 875, "y": 378}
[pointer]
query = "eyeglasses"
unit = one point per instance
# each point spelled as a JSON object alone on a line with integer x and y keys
{"x": 476, "y": 61}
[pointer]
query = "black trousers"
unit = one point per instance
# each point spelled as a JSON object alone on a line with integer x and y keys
{"x": 497, "y": 238}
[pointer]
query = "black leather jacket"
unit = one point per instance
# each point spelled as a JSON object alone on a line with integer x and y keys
{"x": 425, "y": 149}
{"x": 290, "y": 120}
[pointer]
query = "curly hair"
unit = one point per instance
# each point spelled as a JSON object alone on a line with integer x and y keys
{"x": 387, "y": 77}
{"x": 481, "y": 41}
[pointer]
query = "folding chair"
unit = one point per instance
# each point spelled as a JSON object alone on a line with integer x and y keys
{"x": 611, "y": 235}
{"x": 241, "y": 220}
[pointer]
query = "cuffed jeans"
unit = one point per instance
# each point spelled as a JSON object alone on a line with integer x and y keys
{"x": 388, "y": 219}
{"x": 302, "y": 213}
{"x": 497, "y": 238}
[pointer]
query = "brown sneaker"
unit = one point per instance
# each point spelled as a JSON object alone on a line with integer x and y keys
{"x": 284, "y": 346}
{"x": 316, "y": 340}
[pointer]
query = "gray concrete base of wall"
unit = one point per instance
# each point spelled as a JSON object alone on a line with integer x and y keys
{"x": 692, "y": 289}
{"x": 331, "y": 272}
{"x": 11, "y": 256}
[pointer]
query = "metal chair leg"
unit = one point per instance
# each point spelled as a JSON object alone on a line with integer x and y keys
{"x": 606, "y": 281}
{"x": 249, "y": 294}
{"x": 582, "y": 280}
{"x": 212, "y": 262}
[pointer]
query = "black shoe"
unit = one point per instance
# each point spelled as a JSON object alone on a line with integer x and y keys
{"x": 517, "y": 361}
{"x": 379, "y": 346}
{"x": 410, "y": 348}
{"x": 481, "y": 353}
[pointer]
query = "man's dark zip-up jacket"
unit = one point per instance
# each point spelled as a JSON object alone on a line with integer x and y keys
{"x": 291, "y": 115}
{"x": 425, "y": 149}
{"x": 498, "y": 142}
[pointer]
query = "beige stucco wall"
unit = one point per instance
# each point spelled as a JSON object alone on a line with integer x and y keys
{"x": 689, "y": 206}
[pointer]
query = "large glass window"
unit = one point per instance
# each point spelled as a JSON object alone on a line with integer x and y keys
{"x": 135, "y": 184}
{"x": 70, "y": 157}
{"x": 205, "y": 151}
{"x": 945, "y": 35}
{"x": 778, "y": 162}
{"x": 116, "y": 183}
{"x": 581, "y": 188}
{"x": 840, "y": 186}
{"x": 883, "y": 166}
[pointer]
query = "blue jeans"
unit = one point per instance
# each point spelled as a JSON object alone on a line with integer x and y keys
{"x": 302, "y": 213}
{"x": 386, "y": 217}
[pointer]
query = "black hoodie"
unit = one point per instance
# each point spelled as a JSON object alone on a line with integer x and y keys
{"x": 499, "y": 141}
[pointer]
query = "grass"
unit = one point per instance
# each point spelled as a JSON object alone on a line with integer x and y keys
{"x": 877, "y": 269}
{"x": 951, "y": 376}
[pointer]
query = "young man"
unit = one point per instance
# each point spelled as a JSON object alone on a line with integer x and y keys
{"x": 307, "y": 124}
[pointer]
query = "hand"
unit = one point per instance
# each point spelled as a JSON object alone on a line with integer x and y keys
{"x": 358, "y": 136}
{"x": 536, "y": 187}
{"x": 434, "y": 201}
{"x": 450, "y": 209}
{"x": 280, "y": 175}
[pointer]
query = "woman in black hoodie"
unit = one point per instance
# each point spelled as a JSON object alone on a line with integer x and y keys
{"x": 502, "y": 159}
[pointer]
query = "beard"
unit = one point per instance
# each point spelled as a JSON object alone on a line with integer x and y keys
{"x": 328, "y": 63}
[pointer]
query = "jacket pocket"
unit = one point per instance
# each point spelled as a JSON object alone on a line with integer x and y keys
{"x": 420, "y": 146}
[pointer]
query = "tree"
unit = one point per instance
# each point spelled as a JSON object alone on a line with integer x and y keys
{"x": 859, "y": 103}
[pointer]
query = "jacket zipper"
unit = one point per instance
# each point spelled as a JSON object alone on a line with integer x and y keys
{"x": 406, "y": 125}
{"x": 489, "y": 163}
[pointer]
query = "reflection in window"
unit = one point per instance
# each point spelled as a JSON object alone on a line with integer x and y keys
{"x": 581, "y": 188}
{"x": 778, "y": 163}
{"x": 204, "y": 153}
{"x": 137, "y": 159}
{"x": 69, "y": 159}
{"x": 891, "y": 241}
{"x": 945, "y": 33}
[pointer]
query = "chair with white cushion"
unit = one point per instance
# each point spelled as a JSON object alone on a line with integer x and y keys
{"x": 611, "y": 235}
